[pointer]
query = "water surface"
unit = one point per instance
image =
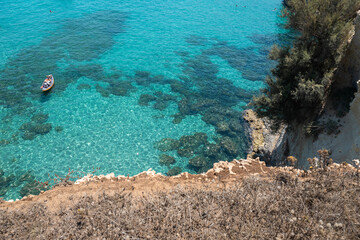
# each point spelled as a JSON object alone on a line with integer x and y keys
{"x": 138, "y": 85}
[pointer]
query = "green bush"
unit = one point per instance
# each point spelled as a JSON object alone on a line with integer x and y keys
{"x": 299, "y": 85}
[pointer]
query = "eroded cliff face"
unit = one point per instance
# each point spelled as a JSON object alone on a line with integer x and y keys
{"x": 263, "y": 140}
{"x": 344, "y": 143}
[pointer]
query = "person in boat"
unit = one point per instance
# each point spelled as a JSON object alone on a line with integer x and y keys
{"x": 47, "y": 81}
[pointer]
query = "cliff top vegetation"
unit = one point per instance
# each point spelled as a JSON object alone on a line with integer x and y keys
{"x": 318, "y": 204}
{"x": 301, "y": 82}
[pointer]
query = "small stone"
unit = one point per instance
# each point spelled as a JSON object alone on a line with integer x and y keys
{"x": 59, "y": 128}
{"x": 110, "y": 176}
{"x": 338, "y": 225}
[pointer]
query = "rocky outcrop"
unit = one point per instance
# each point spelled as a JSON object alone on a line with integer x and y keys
{"x": 263, "y": 140}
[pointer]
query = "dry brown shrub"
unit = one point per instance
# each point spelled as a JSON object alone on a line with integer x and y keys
{"x": 325, "y": 206}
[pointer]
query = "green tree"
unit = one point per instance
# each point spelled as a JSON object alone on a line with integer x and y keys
{"x": 299, "y": 85}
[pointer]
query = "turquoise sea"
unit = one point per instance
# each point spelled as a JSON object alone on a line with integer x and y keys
{"x": 155, "y": 84}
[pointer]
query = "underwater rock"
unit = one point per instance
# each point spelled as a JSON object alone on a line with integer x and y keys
{"x": 28, "y": 135}
{"x": 59, "y": 128}
{"x": 166, "y": 160}
{"x": 222, "y": 127}
{"x": 184, "y": 107}
{"x": 42, "y": 129}
{"x": 102, "y": 91}
{"x": 212, "y": 150}
{"x": 142, "y": 78}
{"x": 159, "y": 79}
{"x": 196, "y": 40}
{"x": 31, "y": 130}
{"x": 32, "y": 187}
{"x": 203, "y": 169}
{"x": 190, "y": 144}
{"x": 120, "y": 88}
{"x": 167, "y": 144}
{"x": 160, "y": 105}
{"x": 201, "y": 137}
{"x": 40, "y": 118}
{"x": 83, "y": 86}
{"x": 117, "y": 74}
{"x": 198, "y": 161}
{"x": 235, "y": 125}
{"x": 174, "y": 171}
{"x": 182, "y": 53}
{"x": 159, "y": 93}
{"x": 185, "y": 152}
{"x": 212, "y": 118}
{"x": 142, "y": 74}
{"x": 92, "y": 71}
{"x": 4, "y": 142}
{"x": 181, "y": 88}
{"x": 162, "y": 101}
{"x": 177, "y": 118}
{"x": 168, "y": 97}
{"x": 26, "y": 177}
{"x": 145, "y": 99}
{"x": 5, "y": 183}
{"x": 160, "y": 116}
{"x": 203, "y": 104}
{"x": 190, "y": 141}
{"x": 201, "y": 69}
{"x": 26, "y": 126}
{"x": 229, "y": 146}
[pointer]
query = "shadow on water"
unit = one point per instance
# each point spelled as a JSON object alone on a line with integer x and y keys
{"x": 46, "y": 96}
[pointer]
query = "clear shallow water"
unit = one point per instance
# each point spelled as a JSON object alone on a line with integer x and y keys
{"x": 128, "y": 75}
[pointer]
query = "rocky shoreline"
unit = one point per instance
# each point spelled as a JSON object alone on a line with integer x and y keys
{"x": 263, "y": 140}
{"x": 222, "y": 174}
{"x": 230, "y": 200}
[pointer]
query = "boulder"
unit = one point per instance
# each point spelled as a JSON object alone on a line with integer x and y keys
{"x": 167, "y": 144}
{"x": 166, "y": 160}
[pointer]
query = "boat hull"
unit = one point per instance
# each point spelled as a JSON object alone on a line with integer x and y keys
{"x": 49, "y": 87}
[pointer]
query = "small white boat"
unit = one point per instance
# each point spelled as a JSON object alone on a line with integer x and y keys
{"x": 47, "y": 85}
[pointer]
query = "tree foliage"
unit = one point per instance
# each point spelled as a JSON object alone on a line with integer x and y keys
{"x": 300, "y": 83}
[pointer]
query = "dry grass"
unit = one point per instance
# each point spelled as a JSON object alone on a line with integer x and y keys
{"x": 324, "y": 206}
